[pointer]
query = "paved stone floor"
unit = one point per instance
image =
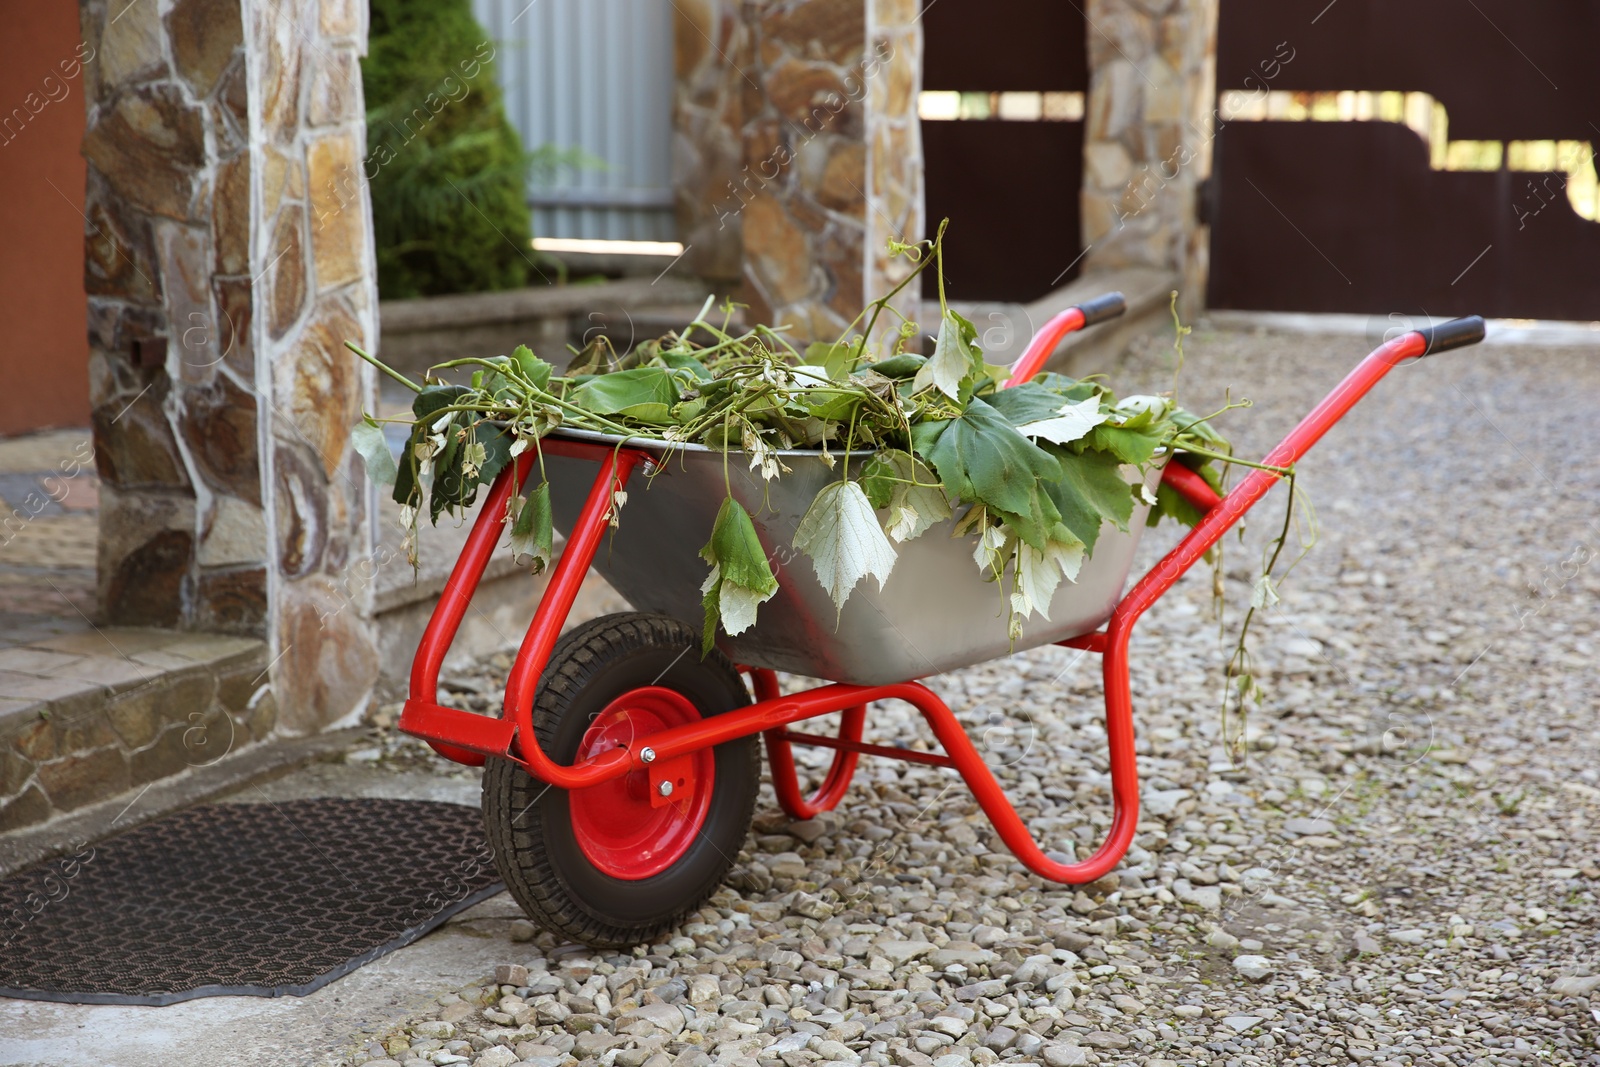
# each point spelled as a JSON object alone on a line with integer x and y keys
{"x": 1400, "y": 869}
{"x": 49, "y": 493}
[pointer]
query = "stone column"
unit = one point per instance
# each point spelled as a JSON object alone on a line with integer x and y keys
{"x": 228, "y": 257}
{"x": 316, "y": 285}
{"x": 1147, "y": 135}
{"x": 797, "y": 152}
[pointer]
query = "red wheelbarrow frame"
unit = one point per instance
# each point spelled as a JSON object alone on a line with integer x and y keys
{"x": 469, "y": 738}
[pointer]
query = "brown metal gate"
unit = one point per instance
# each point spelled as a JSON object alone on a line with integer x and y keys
{"x": 1009, "y": 186}
{"x": 1415, "y": 156}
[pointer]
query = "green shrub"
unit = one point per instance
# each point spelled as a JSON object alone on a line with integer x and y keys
{"x": 448, "y": 172}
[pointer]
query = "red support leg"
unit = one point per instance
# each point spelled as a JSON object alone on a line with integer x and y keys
{"x": 786, "y": 781}
{"x": 1008, "y": 824}
{"x": 780, "y": 757}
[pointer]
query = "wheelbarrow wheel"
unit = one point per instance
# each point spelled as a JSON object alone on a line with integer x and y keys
{"x": 620, "y": 863}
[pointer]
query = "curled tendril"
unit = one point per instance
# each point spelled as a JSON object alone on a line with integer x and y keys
{"x": 913, "y": 251}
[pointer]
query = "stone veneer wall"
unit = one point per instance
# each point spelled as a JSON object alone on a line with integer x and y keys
{"x": 314, "y": 250}
{"x": 228, "y": 259}
{"x": 1147, "y": 136}
{"x": 797, "y": 152}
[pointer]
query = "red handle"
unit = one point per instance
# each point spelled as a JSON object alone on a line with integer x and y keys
{"x": 1043, "y": 344}
{"x": 1090, "y": 312}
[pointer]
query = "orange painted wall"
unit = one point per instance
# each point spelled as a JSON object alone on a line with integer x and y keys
{"x": 44, "y": 345}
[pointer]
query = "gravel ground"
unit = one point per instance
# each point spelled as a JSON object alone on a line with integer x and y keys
{"x": 1400, "y": 868}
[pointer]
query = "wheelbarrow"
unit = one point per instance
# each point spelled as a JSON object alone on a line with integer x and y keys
{"x": 621, "y": 776}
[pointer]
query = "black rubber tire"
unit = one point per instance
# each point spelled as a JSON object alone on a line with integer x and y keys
{"x": 529, "y": 825}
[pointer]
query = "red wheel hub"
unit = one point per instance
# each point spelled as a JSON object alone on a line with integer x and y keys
{"x": 638, "y": 825}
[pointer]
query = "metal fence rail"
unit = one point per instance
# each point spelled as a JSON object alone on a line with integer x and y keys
{"x": 594, "y": 75}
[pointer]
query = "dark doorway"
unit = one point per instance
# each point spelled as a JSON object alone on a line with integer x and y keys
{"x": 1406, "y": 155}
{"x": 1009, "y": 182}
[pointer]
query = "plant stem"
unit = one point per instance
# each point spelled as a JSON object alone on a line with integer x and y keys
{"x": 390, "y": 371}
{"x": 879, "y": 304}
{"x": 1222, "y": 457}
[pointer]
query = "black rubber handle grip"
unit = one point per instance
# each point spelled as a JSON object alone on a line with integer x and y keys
{"x": 1102, "y": 308}
{"x": 1457, "y": 333}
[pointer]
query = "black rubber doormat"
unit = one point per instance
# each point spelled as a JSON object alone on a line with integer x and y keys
{"x": 229, "y": 899}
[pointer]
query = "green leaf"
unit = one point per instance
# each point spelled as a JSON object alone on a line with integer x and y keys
{"x": 1193, "y": 426}
{"x": 1039, "y": 525}
{"x": 736, "y": 547}
{"x": 683, "y": 361}
{"x": 533, "y": 368}
{"x": 643, "y": 393}
{"x": 688, "y": 411}
{"x": 711, "y": 605}
{"x": 878, "y": 476}
{"x": 531, "y": 535}
{"x": 1141, "y": 412}
{"x": 1127, "y": 445}
{"x": 981, "y": 458}
{"x": 451, "y": 486}
{"x": 1070, "y": 388}
{"x": 1089, "y": 490}
{"x": 368, "y": 440}
{"x": 834, "y": 407}
{"x": 407, "y": 489}
{"x": 1025, "y": 403}
{"x": 957, "y": 360}
{"x": 837, "y": 358}
{"x": 904, "y": 365}
{"x": 434, "y": 397}
{"x": 496, "y": 440}
{"x": 841, "y": 535}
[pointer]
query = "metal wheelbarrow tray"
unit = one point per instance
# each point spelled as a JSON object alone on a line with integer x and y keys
{"x": 935, "y": 613}
{"x": 622, "y": 773}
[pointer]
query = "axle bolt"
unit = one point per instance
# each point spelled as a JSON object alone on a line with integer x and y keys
{"x": 647, "y": 755}
{"x": 665, "y": 789}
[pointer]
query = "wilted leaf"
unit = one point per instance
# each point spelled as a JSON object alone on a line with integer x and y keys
{"x": 368, "y": 440}
{"x": 1071, "y": 422}
{"x": 893, "y": 479}
{"x": 990, "y": 551}
{"x": 841, "y": 534}
{"x": 1263, "y": 594}
{"x": 956, "y": 358}
{"x": 1040, "y": 573}
{"x": 736, "y": 548}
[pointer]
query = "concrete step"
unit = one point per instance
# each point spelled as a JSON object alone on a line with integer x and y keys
{"x": 87, "y": 715}
{"x": 418, "y": 333}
